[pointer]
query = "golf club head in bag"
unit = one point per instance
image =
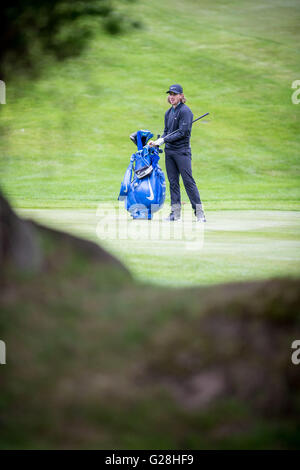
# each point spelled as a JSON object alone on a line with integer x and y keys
{"x": 144, "y": 186}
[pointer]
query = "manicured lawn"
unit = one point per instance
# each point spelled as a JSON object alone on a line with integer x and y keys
{"x": 233, "y": 245}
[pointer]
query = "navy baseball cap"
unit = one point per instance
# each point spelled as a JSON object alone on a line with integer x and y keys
{"x": 175, "y": 89}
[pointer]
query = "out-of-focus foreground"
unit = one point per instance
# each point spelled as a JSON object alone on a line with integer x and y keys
{"x": 95, "y": 360}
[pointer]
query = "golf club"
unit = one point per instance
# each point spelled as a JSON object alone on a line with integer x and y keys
{"x": 192, "y": 123}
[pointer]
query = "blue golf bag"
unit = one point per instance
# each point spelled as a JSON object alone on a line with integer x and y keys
{"x": 143, "y": 187}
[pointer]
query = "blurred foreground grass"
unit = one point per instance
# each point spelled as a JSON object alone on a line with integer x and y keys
{"x": 96, "y": 360}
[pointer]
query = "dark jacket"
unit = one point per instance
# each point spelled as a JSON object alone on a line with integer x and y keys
{"x": 179, "y": 119}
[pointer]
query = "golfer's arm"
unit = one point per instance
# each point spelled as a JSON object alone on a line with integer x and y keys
{"x": 165, "y": 129}
{"x": 184, "y": 129}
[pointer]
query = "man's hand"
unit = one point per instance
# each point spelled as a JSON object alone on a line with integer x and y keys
{"x": 156, "y": 143}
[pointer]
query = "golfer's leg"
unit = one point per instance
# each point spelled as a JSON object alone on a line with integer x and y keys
{"x": 184, "y": 164}
{"x": 173, "y": 177}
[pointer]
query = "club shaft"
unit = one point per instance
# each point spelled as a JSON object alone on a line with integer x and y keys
{"x": 192, "y": 123}
{"x": 200, "y": 117}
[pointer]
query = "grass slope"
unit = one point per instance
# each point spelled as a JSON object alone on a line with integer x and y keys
{"x": 68, "y": 132}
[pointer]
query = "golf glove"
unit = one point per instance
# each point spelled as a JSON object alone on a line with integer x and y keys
{"x": 158, "y": 142}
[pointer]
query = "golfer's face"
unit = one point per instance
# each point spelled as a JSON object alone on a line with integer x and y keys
{"x": 174, "y": 98}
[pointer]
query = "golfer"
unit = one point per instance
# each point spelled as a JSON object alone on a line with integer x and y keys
{"x": 178, "y": 153}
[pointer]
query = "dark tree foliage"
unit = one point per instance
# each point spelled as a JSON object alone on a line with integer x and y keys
{"x": 29, "y": 28}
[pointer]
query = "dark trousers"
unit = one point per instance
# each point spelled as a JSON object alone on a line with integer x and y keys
{"x": 180, "y": 163}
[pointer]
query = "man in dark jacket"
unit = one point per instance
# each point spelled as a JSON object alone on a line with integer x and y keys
{"x": 178, "y": 153}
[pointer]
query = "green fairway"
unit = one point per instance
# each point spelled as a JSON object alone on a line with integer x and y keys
{"x": 234, "y": 246}
{"x": 67, "y": 146}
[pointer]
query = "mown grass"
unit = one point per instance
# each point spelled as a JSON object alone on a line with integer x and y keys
{"x": 233, "y": 245}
